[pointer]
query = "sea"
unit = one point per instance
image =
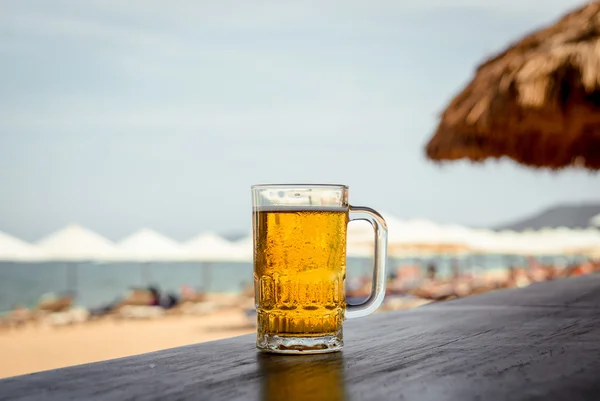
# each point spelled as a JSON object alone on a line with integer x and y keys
{"x": 98, "y": 284}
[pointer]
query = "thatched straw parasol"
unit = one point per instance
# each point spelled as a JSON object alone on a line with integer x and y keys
{"x": 538, "y": 102}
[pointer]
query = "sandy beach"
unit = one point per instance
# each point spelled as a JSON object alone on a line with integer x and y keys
{"x": 32, "y": 349}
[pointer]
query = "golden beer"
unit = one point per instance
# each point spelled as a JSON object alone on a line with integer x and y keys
{"x": 299, "y": 271}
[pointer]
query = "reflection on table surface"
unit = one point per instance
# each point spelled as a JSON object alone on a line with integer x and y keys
{"x": 302, "y": 377}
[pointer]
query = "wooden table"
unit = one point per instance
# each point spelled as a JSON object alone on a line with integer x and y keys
{"x": 537, "y": 343}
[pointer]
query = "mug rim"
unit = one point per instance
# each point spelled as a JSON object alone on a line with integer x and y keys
{"x": 281, "y": 186}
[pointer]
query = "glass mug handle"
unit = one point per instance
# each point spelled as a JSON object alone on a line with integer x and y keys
{"x": 380, "y": 258}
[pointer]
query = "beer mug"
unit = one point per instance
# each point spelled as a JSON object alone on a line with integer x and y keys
{"x": 299, "y": 234}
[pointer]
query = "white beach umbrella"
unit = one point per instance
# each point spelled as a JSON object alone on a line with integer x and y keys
{"x": 423, "y": 237}
{"x": 245, "y": 248}
{"x": 561, "y": 240}
{"x": 76, "y": 243}
{"x": 549, "y": 241}
{"x": 360, "y": 239}
{"x": 484, "y": 241}
{"x": 595, "y": 221}
{"x": 583, "y": 242}
{"x": 13, "y": 249}
{"x": 514, "y": 243}
{"x": 147, "y": 245}
{"x": 210, "y": 247}
{"x": 410, "y": 238}
{"x": 73, "y": 244}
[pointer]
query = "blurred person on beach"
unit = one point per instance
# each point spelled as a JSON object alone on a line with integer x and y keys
{"x": 164, "y": 300}
{"x": 431, "y": 272}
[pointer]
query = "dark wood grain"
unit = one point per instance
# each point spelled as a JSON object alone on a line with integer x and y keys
{"x": 537, "y": 343}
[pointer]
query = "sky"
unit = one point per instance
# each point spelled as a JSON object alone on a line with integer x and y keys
{"x": 123, "y": 115}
